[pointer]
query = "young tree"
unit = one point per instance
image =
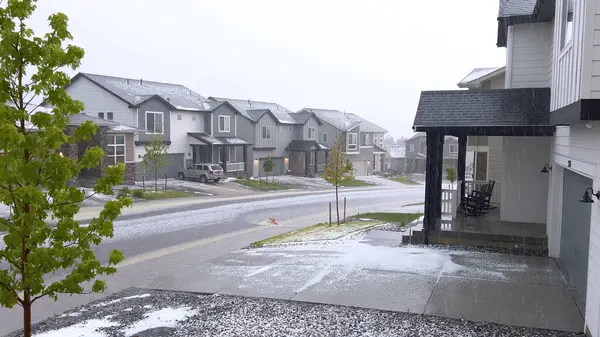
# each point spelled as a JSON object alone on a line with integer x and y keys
{"x": 338, "y": 170}
{"x": 42, "y": 236}
{"x": 154, "y": 157}
{"x": 451, "y": 175}
{"x": 268, "y": 166}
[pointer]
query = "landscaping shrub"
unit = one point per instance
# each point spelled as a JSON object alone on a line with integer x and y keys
{"x": 138, "y": 194}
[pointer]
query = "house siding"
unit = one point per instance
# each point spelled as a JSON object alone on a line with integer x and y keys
{"x": 591, "y": 50}
{"x": 245, "y": 131}
{"x": 527, "y": 64}
{"x": 495, "y": 159}
{"x": 224, "y": 110}
{"x": 266, "y": 121}
{"x": 96, "y": 99}
{"x": 180, "y": 141}
{"x": 129, "y": 148}
{"x": 494, "y": 83}
{"x": 310, "y": 123}
{"x": 156, "y": 106}
{"x": 332, "y": 134}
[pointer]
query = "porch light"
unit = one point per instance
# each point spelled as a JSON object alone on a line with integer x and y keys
{"x": 587, "y": 199}
{"x": 61, "y": 154}
{"x": 547, "y": 168}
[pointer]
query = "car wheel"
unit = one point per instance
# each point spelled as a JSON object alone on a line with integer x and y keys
{"x": 180, "y": 176}
{"x": 217, "y": 180}
{"x": 203, "y": 179}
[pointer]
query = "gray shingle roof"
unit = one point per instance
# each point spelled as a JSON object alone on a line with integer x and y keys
{"x": 135, "y": 91}
{"x": 305, "y": 145}
{"x": 516, "y": 7}
{"x": 344, "y": 121}
{"x": 463, "y": 108}
{"x": 209, "y": 139}
{"x": 281, "y": 113}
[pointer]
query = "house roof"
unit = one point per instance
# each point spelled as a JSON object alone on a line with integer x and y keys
{"x": 280, "y": 113}
{"x": 212, "y": 140}
{"x": 513, "y": 12}
{"x": 478, "y": 75}
{"x": 135, "y": 91}
{"x": 343, "y": 120}
{"x": 423, "y": 134}
{"x": 465, "y": 108}
{"x": 305, "y": 145}
{"x": 397, "y": 152}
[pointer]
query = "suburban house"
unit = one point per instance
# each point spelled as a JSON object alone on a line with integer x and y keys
{"x": 289, "y": 138}
{"x": 416, "y": 152}
{"x": 395, "y": 159}
{"x": 194, "y": 128}
{"x": 363, "y": 139}
{"x": 542, "y": 134}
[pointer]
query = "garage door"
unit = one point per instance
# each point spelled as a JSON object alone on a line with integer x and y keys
{"x": 174, "y": 165}
{"x": 277, "y": 170}
{"x": 575, "y": 230}
{"x": 360, "y": 167}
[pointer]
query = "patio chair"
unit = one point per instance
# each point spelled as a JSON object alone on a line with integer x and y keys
{"x": 488, "y": 197}
{"x": 474, "y": 204}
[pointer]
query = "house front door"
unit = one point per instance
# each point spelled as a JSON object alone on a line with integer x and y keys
{"x": 481, "y": 166}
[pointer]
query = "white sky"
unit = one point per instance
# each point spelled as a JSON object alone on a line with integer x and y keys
{"x": 369, "y": 57}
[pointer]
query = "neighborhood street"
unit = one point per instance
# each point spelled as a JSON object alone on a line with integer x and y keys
{"x": 216, "y": 228}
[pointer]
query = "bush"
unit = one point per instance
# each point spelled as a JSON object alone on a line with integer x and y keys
{"x": 124, "y": 192}
{"x": 138, "y": 194}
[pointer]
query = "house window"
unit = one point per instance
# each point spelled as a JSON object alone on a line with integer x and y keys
{"x": 324, "y": 138}
{"x": 311, "y": 133}
{"x": 411, "y": 148}
{"x": 453, "y": 149}
{"x": 154, "y": 122}
{"x": 193, "y": 117}
{"x": 224, "y": 124}
{"x": 567, "y": 23}
{"x": 364, "y": 139}
{"x": 179, "y": 117}
{"x": 266, "y": 132}
{"x": 101, "y": 115}
{"x": 109, "y": 116}
{"x": 115, "y": 149}
{"x": 352, "y": 141}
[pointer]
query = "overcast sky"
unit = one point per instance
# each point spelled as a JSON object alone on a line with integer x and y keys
{"x": 368, "y": 57}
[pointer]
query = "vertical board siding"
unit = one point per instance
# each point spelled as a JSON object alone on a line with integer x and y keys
{"x": 268, "y": 121}
{"x": 311, "y": 123}
{"x": 180, "y": 128}
{"x": 529, "y": 61}
{"x": 495, "y": 158}
{"x": 594, "y": 50}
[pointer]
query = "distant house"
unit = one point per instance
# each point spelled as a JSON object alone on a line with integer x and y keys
{"x": 416, "y": 149}
{"x": 395, "y": 159}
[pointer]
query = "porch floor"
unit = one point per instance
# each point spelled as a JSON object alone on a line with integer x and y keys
{"x": 486, "y": 230}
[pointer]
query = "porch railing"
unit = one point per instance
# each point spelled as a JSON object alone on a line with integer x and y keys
{"x": 475, "y": 185}
{"x": 321, "y": 167}
{"x": 447, "y": 201}
{"x": 234, "y": 167}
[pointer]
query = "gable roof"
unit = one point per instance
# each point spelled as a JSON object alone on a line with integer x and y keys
{"x": 509, "y": 8}
{"x": 512, "y": 12}
{"x": 280, "y": 113}
{"x": 343, "y": 120}
{"x": 478, "y": 75}
{"x": 135, "y": 91}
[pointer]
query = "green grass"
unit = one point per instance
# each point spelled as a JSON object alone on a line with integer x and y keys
{"x": 168, "y": 194}
{"x": 423, "y": 203}
{"x": 260, "y": 185}
{"x": 404, "y": 180}
{"x": 284, "y": 236}
{"x": 401, "y": 218}
{"x": 356, "y": 183}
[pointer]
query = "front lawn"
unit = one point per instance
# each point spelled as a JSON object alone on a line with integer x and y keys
{"x": 160, "y": 195}
{"x": 260, "y": 185}
{"x": 356, "y": 183}
{"x": 404, "y": 180}
{"x": 399, "y": 218}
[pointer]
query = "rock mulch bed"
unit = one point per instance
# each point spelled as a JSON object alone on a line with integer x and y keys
{"x": 156, "y": 313}
{"x": 482, "y": 249}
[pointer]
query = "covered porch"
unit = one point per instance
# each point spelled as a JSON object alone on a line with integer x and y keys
{"x": 507, "y": 208}
{"x": 307, "y": 157}
{"x": 229, "y": 152}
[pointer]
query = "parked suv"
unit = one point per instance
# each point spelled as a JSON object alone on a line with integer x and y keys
{"x": 202, "y": 172}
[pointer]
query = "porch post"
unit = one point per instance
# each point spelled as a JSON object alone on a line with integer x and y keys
{"x": 245, "y": 154}
{"x": 223, "y": 158}
{"x": 433, "y": 183}
{"x": 210, "y": 153}
{"x": 306, "y": 161}
{"x": 462, "y": 163}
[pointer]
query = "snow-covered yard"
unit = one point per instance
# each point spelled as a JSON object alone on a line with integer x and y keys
{"x": 302, "y": 182}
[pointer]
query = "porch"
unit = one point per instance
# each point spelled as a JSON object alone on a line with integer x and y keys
{"x": 229, "y": 152}
{"x": 307, "y": 158}
{"x": 513, "y": 215}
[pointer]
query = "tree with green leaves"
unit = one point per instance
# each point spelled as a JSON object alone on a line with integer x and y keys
{"x": 338, "y": 170}
{"x": 42, "y": 238}
{"x": 451, "y": 175}
{"x": 155, "y": 157}
{"x": 268, "y": 166}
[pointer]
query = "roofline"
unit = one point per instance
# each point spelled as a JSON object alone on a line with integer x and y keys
{"x": 477, "y": 82}
{"x": 543, "y": 11}
{"x": 80, "y": 74}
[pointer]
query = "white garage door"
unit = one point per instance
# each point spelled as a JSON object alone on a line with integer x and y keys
{"x": 360, "y": 167}
{"x": 575, "y": 231}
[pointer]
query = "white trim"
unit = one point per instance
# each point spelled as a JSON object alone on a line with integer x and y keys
{"x": 212, "y": 122}
{"x": 235, "y": 125}
{"x": 348, "y": 144}
{"x": 325, "y": 137}
{"x": 262, "y": 133}
{"x": 228, "y": 123}
{"x": 114, "y": 146}
{"x": 146, "y": 122}
{"x": 367, "y": 147}
{"x": 308, "y": 133}
{"x": 509, "y": 51}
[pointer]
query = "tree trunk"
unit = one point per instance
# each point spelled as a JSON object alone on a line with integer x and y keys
{"x": 155, "y": 180}
{"x": 26, "y": 314}
{"x": 337, "y": 204}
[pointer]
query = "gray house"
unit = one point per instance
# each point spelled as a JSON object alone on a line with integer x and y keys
{"x": 416, "y": 149}
{"x": 363, "y": 139}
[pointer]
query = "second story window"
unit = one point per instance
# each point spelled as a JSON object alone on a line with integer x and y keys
{"x": 352, "y": 141}
{"x": 311, "y": 133}
{"x": 453, "y": 149}
{"x": 364, "y": 139}
{"x": 266, "y": 132}
{"x": 179, "y": 117}
{"x": 325, "y": 138}
{"x": 224, "y": 124}
{"x": 154, "y": 122}
{"x": 115, "y": 149}
{"x": 567, "y": 23}
{"x": 101, "y": 115}
{"x": 411, "y": 148}
{"x": 109, "y": 116}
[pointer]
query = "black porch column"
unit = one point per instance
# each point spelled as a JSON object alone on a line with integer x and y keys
{"x": 462, "y": 163}
{"x": 245, "y": 156}
{"x": 223, "y": 158}
{"x": 307, "y": 161}
{"x": 433, "y": 183}
{"x": 210, "y": 153}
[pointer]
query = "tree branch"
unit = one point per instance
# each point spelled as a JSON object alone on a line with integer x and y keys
{"x": 74, "y": 202}
{"x": 46, "y": 293}
{"x": 11, "y": 290}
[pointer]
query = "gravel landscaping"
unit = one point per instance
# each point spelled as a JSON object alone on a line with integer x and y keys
{"x": 482, "y": 249}
{"x": 138, "y": 312}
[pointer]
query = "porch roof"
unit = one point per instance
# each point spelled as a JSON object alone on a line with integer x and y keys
{"x": 305, "y": 145}
{"x": 218, "y": 141}
{"x": 493, "y": 112}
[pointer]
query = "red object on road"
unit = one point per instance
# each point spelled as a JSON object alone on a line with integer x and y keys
{"x": 274, "y": 221}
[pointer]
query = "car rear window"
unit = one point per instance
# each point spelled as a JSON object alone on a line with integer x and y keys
{"x": 215, "y": 167}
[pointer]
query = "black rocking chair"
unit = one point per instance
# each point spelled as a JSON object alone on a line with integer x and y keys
{"x": 478, "y": 201}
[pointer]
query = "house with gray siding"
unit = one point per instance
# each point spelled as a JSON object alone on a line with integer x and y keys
{"x": 416, "y": 152}
{"x": 363, "y": 140}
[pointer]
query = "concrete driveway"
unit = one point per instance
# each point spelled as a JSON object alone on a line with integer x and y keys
{"x": 372, "y": 272}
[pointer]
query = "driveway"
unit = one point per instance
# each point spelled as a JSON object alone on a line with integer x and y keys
{"x": 373, "y": 272}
